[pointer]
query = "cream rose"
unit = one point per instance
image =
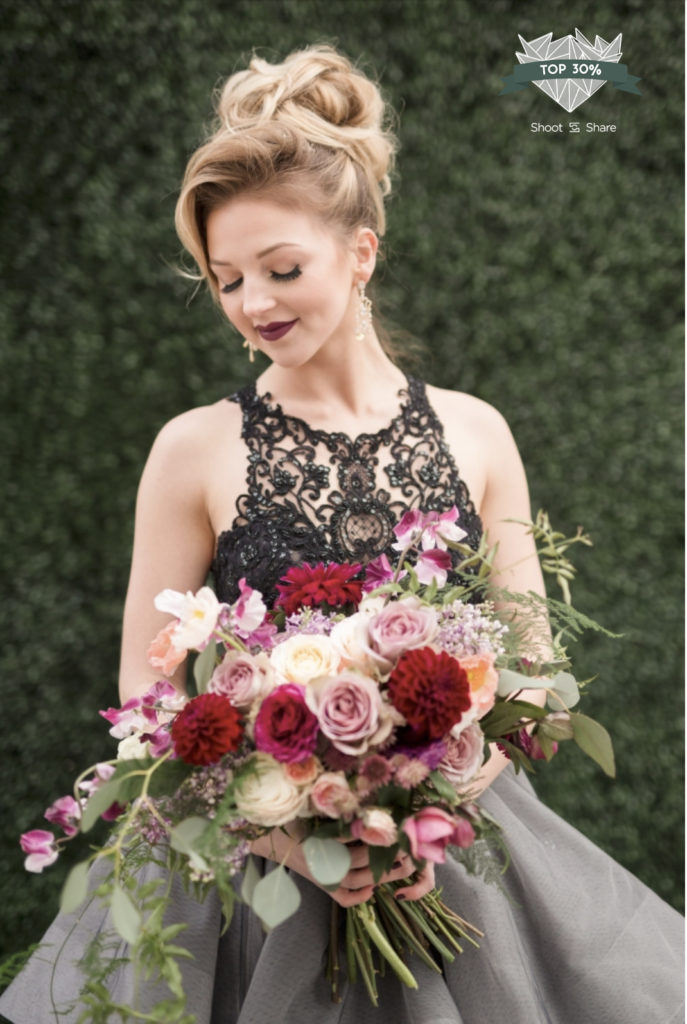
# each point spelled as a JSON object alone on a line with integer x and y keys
{"x": 349, "y": 637}
{"x": 304, "y": 657}
{"x": 132, "y": 748}
{"x": 266, "y": 795}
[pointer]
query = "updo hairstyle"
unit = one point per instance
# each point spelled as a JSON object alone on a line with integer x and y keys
{"x": 311, "y": 133}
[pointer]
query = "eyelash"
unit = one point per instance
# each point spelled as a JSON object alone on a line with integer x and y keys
{"x": 290, "y": 275}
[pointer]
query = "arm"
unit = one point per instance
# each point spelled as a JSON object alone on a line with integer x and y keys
{"x": 173, "y": 542}
{"x": 506, "y": 496}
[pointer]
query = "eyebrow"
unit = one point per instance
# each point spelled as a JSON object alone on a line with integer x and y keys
{"x": 271, "y": 248}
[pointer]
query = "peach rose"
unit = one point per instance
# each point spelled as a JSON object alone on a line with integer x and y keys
{"x": 162, "y": 654}
{"x": 483, "y": 679}
{"x": 331, "y": 795}
{"x": 376, "y": 827}
{"x": 303, "y": 773}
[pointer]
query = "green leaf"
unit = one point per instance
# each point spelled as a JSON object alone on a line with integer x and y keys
{"x": 328, "y": 860}
{"x": 125, "y": 916}
{"x": 443, "y": 787}
{"x": 381, "y": 859}
{"x": 591, "y": 737}
{"x": 75, "y": 889}
{"x": 185, "y": 838}
{"x": 275, "y": 898}
{"x": 251, "y": 877}
{"x": 204, "y": 666}
{"x": 510, "y": 682}
{"x": 565, "y": 686}
{"x": 98, "y": 802}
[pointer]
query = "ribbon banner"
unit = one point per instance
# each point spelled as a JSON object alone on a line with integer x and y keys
{"x": 598, "y": 70}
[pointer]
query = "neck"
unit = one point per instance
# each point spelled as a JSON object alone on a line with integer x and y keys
{"x": 352, "y": 380}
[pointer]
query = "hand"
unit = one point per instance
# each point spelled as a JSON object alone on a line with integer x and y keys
{"x": 358, "y": 884}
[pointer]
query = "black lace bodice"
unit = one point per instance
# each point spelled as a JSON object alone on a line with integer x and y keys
{"x": 314, "y": 496}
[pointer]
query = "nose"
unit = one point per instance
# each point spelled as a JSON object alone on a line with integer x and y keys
{"x": 257, "y": 299}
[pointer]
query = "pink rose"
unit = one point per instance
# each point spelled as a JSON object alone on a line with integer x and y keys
{"x": 242, "y": 677}
{"x": 429, "y": 833}
{"x": 399, "y": 627}
{"x": 463, "y": 834}
{"x": 464, "y": 755}
{"x": 41, "y": 849}
{"x": 350, "y": 711}
{"x": 65, "y": 812}
{"x": 162, "y": 654}
{"x": 376, "y": 827}
{"x": 331, "y": 795}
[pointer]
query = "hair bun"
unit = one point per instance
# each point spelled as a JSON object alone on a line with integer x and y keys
{"x": 317, "y": 93}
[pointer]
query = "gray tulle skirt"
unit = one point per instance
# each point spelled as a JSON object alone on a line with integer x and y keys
{"x": 575, "y": 939}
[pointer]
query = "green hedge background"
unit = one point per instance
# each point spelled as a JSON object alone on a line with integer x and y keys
{"x": 543, "y": 272}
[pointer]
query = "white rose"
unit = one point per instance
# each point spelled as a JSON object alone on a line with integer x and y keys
{"x": 132, "y": 748}
{"x": 349, "y": 637}
{"x": 266, "y": 796}
{"x": 304, "y": 657}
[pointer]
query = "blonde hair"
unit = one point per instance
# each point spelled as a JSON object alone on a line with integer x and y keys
{"x": 312, "y": 132}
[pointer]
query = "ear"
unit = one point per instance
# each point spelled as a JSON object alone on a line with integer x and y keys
{"x": 365, "y": 245}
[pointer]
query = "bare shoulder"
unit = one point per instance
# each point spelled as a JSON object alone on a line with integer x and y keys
{"x": 477, "y": 436}
{"x": 459, "y": 410}
{"x": 192, "y": 438}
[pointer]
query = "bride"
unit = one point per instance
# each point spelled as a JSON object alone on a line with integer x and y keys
{"x": 282, "y": 211}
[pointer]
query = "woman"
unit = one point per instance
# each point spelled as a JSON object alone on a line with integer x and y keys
{"x": 282, "y": 210}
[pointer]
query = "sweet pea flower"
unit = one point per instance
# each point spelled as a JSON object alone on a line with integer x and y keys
{"x": 162, "y": 654}
{"x": 409, "y": 529}
{"x": 378, "y": 572}
{"x": 65, "y": 812}
{"x": 249, "y": 611}
{"x": 41, "y": 849}
{"x": 439, "y": 527}
{"x": 126, "y": 720}
{"x": 103, "y": 772}
{"x": 433, "y": 566}
{"x": 197, "y": 614}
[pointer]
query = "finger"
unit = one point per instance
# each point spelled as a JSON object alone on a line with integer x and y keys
{"x": 419, "y": 888}
{"x": 352, "y": 897}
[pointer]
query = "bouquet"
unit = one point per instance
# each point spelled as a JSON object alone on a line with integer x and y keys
{"x": 362, "y": 708}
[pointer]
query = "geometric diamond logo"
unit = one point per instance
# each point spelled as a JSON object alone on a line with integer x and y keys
{"x": 569, "y": 93}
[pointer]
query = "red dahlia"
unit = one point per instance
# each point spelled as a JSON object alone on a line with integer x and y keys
{"x": 311, "y": 585}
{"x": 431, "y": 691}
{"x": 206, "y": 728}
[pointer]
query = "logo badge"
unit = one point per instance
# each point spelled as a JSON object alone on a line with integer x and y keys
{"x": 570, "y": 69}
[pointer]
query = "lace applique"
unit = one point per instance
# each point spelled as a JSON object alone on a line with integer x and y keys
{"x": 314, "y": 496}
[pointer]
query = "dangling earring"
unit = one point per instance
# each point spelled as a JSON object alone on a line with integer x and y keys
{"x": 363, "y": 313}
{"x": 251, "y": 349}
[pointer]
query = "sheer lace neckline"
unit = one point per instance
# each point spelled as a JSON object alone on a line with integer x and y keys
{"x": 276, "y": 410}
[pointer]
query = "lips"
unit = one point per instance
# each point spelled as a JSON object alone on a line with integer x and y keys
{"x": 276, "y": 330}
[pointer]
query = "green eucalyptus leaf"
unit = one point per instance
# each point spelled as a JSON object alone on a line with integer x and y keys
{"x": 565, "y": 686}
{"x": 328, "y": 860}
{"x": 591, "y": 737}
{"x": 125, "y": 917}
{"x": 204, "y": 666}
{"x": 511, "y": 681}
{"x": 185, "y": 838}
{"x": 75, "y": 889}
{"x": 98, "y": 802}
{"x": 276, "y": 897}
{"x": 251, "y": 877}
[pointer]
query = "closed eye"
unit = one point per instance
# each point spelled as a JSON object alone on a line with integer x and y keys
{"x": 290, "y": 275}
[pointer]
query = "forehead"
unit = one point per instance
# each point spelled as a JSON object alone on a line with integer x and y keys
{"x": 245, "y": 227}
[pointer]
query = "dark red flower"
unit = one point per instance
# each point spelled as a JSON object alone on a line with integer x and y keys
{"x": 285, "y": 727}
{"x": 431, "y": 691}
{"x": 206, "y": 728}
{"x": 306, "y": 586}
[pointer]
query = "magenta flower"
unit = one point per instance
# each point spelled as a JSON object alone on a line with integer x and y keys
{"x": 41, "y": 849}
{"x": 409, "y": 529}
{"x": 379, "y": 571}
{"x": 103, "y": 772}
{"x": 125, "y": 720}
{"x": 439, "y": 527}
{"x": 433, "y": 565}
{"x": 285, "y": 727}
{"x": 249, "y": 611}
{"x": 65, "y": 812}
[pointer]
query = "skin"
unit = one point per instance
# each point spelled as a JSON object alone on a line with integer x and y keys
{"x": 321, "y": 373}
